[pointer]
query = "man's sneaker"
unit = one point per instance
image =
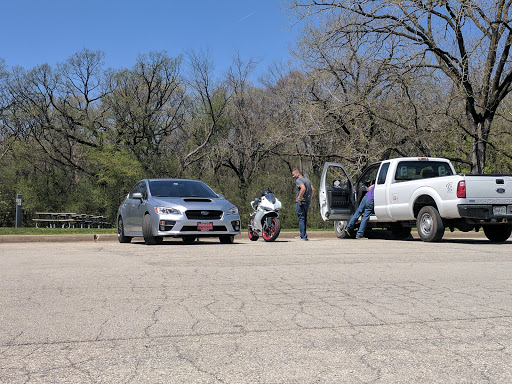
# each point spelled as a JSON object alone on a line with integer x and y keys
{"x": 360, "y": 238}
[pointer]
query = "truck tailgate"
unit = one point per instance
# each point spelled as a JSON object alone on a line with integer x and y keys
{"x": 488, "y": 187}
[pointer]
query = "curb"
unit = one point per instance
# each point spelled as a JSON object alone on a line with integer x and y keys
{"x": 113, "y": 237}
{"x": 56, "y": 238}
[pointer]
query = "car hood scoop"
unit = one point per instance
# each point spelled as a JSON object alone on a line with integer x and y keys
{"x": 196, "y": 200}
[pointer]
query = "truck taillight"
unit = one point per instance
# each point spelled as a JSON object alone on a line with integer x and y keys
{"x": 461, "y": 189}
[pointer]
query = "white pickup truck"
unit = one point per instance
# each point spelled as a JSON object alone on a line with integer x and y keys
{"x": 425, "y": 193}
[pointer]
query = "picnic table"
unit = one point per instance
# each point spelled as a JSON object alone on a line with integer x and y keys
{"x": 70, "y": 220}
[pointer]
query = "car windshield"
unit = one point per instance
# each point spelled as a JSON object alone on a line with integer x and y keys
{"x": 180, "y": 188}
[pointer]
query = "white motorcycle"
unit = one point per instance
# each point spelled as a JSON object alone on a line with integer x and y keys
{"x": 264, "y": 221}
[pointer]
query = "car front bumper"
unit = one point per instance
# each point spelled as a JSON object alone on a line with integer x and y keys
{"x": 167, "y": 226}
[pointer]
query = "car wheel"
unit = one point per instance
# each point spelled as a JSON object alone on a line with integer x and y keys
{"x": 430, "y": 225}
{"x": 497, "y": 233}
{"x": 147, "y": 232}
{"x": 339, "y": 228}
{"x": 188, "y": 239}
{"x": 120, "y": 232}
{"x": 227, "y": 239}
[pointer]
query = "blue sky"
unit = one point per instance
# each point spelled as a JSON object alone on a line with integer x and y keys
{"x": 34, "y": 32}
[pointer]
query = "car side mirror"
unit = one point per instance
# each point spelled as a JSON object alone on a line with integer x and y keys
{"x": 221, "y": 196}
{"x": 137, "y": 195}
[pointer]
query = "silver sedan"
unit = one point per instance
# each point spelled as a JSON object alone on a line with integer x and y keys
{"x": 158, "y": 208}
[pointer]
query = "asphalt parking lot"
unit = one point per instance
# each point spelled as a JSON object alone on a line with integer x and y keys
{"x": 322, "y": 311}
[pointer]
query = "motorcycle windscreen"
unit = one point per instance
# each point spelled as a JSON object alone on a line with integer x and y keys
{"x": 336, "y": 193}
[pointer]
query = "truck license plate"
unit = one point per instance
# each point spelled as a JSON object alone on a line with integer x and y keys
{"x": 499, "y": 210}
{"x": 205, "y": 226}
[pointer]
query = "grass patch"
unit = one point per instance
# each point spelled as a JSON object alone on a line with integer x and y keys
{"x": 54, "y": 231}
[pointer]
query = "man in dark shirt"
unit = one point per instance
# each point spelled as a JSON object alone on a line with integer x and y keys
{"x": 303, "y": 198}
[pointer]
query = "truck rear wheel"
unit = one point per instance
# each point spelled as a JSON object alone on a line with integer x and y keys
{"x": 497, "y": 233}
{"x": 430, "y": 225}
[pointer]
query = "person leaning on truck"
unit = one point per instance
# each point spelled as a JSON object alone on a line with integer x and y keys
{"x": 305, "y": 192}
{"x": 365, "y": 208}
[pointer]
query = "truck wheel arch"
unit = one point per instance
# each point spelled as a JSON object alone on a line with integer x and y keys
{"x": 423, "y": 201}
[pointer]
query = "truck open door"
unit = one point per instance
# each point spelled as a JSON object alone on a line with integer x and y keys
{"x": 336, "y": 193}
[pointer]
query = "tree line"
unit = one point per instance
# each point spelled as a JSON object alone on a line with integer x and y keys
{"x": 77, "y": 136}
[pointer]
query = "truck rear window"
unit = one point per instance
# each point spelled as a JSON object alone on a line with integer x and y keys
{"x": 412, "y": 170}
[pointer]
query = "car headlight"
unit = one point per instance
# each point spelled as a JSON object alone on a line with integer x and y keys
{"x": 232, "y": 211}
{"x": 167, "y": 211}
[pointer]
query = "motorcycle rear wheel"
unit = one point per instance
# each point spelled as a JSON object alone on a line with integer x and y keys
{"x": 253, "y": 236}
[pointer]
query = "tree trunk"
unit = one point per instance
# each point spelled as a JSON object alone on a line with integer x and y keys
{"x": 480, "y": 128}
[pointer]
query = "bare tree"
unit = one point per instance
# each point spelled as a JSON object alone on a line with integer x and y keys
{"x": 37, "y": 114}
{"x": 147, "y": 105}
{"x": 349, "y": 104}
{"x": 251, "y": 132}
{"x": 59, "y": 109}
{"x": 209, "y": 100}
{"x": 8, "y": 131}
{"x": 81, "y": 89}
{"x": 469, "y": 41}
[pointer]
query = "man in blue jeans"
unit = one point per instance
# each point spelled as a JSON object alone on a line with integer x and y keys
{"x": 305, "y": 192}
{"x": 365, "y": 208}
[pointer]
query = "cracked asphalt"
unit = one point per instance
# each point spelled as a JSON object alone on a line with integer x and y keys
{"x": 322, "y": 311}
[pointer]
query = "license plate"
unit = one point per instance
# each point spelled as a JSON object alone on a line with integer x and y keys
{"x": 499, "y": 210}
{"x": 205, "y": 226}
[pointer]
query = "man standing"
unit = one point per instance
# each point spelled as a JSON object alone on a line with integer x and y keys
{"x": 305, "y": 193}
{"x": 365, "y": 208}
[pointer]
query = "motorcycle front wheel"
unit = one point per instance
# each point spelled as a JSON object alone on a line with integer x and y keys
{"x": 270, "y": 232}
